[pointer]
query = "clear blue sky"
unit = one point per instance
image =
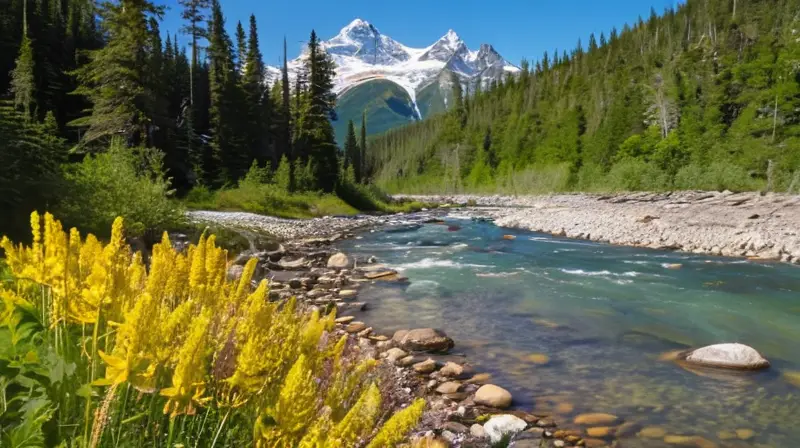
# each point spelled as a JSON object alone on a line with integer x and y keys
{"x": 516, "y": 28}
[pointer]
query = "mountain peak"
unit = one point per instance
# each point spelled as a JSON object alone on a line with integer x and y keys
{"x": 451, "y": 36}
{"x": 358, "y": 25}
{"x": 444, "y": 48}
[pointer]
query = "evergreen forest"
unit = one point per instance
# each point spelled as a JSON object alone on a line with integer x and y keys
{"x": 704, "y": 96}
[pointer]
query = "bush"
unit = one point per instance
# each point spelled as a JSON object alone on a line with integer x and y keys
{"x": 636, "y": 175}
{"x": 175, "y": 354}
{"x": 127, "y": 182}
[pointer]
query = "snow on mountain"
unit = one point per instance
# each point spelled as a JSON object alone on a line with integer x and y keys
{"x": 362, "y": 53}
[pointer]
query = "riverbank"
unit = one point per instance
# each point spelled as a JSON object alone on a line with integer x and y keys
{"x": 464, "y": 408}
{"x": 714, "y": 223}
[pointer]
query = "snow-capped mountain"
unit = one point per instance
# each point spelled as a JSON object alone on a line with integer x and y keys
{"x": 368, "y": 60}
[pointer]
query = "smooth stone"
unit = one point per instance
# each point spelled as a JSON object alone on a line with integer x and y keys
{"x": 594, "y": 443}
{"x": 379, "y": 274}
{"x": 344, "y": 319}
{"x": 355, "y": 327}
{"x": 455, "y": 427}
{"x": 405, "y": 362}
{"x": 426, "y": 366}
{"x": 365, "y": 332}
{"x": 477, "y": 431}
{"x": 538, "y": 358}
{"x": 652, "y": 432}
{"x": 500, "y": 425}
{"x": 393, "y": 354}
{"x": 455, "y": 370}
{"x": 626, "y": 430}
{"x": 546, "y": 423}
{"x": 600, "y": 432}
{"x": 729, "y": 356}
{"x": 339, "y": 261}
{"x": 493, "y": 396}
{"x": 480, "y": 378}
{"x": 348, "y": 293}
{"x": 792, "y": 377}
{"x": 449, "y": 387}
{"x": 596, "y": 419}
{"x": 690, "y": 441}
{"x": 423, "y": 340}
{"x": 564, "y": 408}
{"x": 292, "y": 264}
{"x": 745, "y": 434}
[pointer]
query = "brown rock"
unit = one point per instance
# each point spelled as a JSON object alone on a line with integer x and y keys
{"x": 345, "y": 319}
{"x": 480, "y": 378}
{"x": 600, "y": 432}
{"x": 426, "y": 366}
{"x": 393, "y": 354}
{"x": 652, "y": 432}
{"x": 493, "y": 396}
{"x": 449, "y": 387}
{"x": 596, "y": 418}
{"x": 455, "y": 427}
{"x": 690, "y": 441}
{"x": 355, "y": 327}
{"x": 745, "y": 434}
{"x": 405, "y": 362}
{"x": 594, "y": 443}
{"x": 423, "y": 340}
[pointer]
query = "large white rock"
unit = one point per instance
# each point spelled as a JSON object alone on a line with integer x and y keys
{"x": 339, "y": 261}
{"x": 500, "y": 425}
{"x": 728, "y": 356}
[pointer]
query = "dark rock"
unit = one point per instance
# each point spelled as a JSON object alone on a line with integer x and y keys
{"x": 423, "y": 340}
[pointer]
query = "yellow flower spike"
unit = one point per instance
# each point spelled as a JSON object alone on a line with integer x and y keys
{"x": 359, "y": 421}
{"x": 296, "y": 402}
{"x": 395, "y": 429}
{"x": 188, "y": 387}
{"x": 198, "y": 269}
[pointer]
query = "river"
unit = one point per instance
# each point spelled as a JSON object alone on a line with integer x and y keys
{"x": 571, "y": 326}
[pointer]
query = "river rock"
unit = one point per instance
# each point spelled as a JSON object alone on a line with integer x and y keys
{"x": 690, "y": 441}
{"x": 728, "y": 356}
{"x": 455, "y": 427}
{"x": 355, "y": 327}
{"x": 348, "y": 294}
{"x": 596, "y": 419}
{"x": 493, "y": 396}
{"x": 393, "y": 354}
{"x": 339, "y": 261}
{"x": 426, "y": 366}
{"x": 423, "y": 340}
{"x": 454, "y": 370}
{"x": 500, "y": 425}
{"x": 344, "y": 319}
{"x": 477, "y": 431}
{"x": 449, "y": 387}
{"x": 292, "y": 264}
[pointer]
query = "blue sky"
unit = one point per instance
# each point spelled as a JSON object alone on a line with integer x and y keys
{"x": 516, "y": 28}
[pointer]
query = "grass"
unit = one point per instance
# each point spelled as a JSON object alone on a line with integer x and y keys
{"x": 268, "y": 199}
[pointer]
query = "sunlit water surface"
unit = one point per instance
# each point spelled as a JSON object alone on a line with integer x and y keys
{"x": 602, "y": 315}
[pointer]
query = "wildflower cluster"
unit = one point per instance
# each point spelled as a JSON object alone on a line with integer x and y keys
{"x": 192, "y": 344}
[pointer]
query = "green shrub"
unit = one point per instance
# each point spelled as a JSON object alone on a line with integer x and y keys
{"x": 636, "y": 175}
{"x": 127, "y": 182}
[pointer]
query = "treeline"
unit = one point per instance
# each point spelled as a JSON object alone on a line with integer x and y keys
{"x": 76, "y": 75}
{"x": 704, "y": 96}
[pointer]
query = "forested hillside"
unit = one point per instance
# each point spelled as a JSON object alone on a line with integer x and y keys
{"x": 705, "y": 96}
{"x": 90, "y": 90}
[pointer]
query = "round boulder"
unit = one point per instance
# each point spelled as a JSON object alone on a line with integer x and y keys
{"x": 493, "y": 396}
{"x": 500, "y": 425}
{"x": 423, "y": 340}
{"x": 339, "y": 261}
{"x": 728, "y": 356}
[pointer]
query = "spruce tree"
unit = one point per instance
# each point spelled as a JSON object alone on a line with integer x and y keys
{"x": 316, "y": 134}
{"x": 225, "y": 106}
{"x": 257, "y": 100}
{"x": 115, "y": 79}
{"x": 22, "y": 78}
{"x": 352, "y": 158}
{"x": 361, "y": 172}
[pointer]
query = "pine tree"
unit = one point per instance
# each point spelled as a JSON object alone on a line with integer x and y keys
{"x": 241, "y": 48}
{"x": 257, "y": 100}
{"x": 225, "y": 111}
{"x": 352, "y": 158}
{"x": 361, "y": 172}
{"x": 316, "y": 136}
{"x": 22, "y": 79}
{"x": 115, "y": 79}
{"x": 194, "y": 14}
{"x": 284, "y": 144}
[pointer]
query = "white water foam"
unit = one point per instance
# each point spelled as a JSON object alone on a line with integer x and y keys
{"x": 581, "y": 272}
{"x": 496, "y": 274}
{"x": 427, "y": 263}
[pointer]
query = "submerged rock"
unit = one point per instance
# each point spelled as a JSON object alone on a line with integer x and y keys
{"x": 423, "y": 340}
{"x": 493, "y": 396}
{"x": 500, "y": 425}
{"x": 728, "y": 356}
{"x": 596, "y": 419}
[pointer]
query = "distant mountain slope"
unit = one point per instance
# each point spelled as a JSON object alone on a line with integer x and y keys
{"x": 363, "y": 56}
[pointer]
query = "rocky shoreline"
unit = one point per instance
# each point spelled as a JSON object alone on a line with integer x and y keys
{"x": 750, "y": 225}
{"x": 464, "y": 408}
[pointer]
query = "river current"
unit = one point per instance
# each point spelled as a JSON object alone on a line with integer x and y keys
{"x": 572, "y": 326}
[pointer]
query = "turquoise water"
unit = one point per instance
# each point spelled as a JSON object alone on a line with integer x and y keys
{"x": 602, "y": 315}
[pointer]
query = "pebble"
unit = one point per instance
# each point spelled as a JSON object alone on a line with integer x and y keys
{"x": 355, "y": 327}
{"x": 477, "y": 431}
{"x": 426, "y": 366}
{"x": 345, "y": 319}
{"x": 393, "y": 354}
{"x": 493, "y": 396}
{"x": 596, "y": 418}
{"x": 449, "y": 387}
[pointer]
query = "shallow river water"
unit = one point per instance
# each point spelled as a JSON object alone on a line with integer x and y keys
{"x": 572, "y": 326}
